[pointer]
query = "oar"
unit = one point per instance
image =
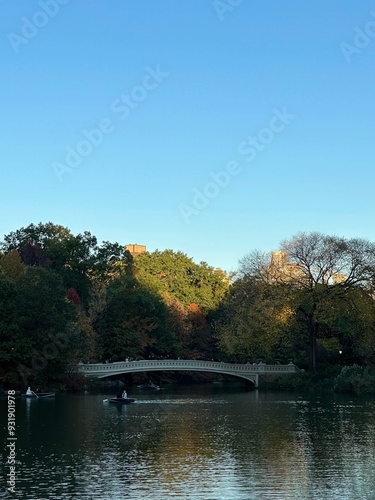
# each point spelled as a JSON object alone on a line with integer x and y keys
{"x": 35, "y": 394}
{"x": 105, "y": 400}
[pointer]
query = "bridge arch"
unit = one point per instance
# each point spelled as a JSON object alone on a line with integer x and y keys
{"x": 248, "y": 372}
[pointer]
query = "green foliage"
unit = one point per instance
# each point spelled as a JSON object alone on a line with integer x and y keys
{"x": 79, "y": 260}
{"x": 46, "y": 320}
{"x": 56, "y": 283}
{"x": 72, "y": 382}
{"x": 291, "y": 382}
{"x": 323, "y": 381}
{"x": 65, "y": 298}
{"x": 12, "y": 344}
{"x": 255, "y": 321}
{"x": 181, "y": 278}
{"x": 133, "y": 322}
{"x": 329, "y": 287}
{"x": 36, "y": 328}
{"x": 356, "y": 380}
{"x": 11, "y": 265}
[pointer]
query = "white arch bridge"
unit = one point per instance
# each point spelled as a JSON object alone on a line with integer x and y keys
{"x": 250, "y": 372}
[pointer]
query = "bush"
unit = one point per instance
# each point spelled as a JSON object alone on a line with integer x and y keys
{"x": 356, "y": 380}
{"x": 304, "y": 381}
{"x": 73, "y": 382}
{"x": 288, "y": 382}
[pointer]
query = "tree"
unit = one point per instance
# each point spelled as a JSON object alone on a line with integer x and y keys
{"x": 12, "y": 344}
{"x": 190, "y": 292}
{"x": 79, "y": 260}
{"x": 11, "y": 265}
{"x": 184, "y": 280}
{"x": 46, "y": 324}
{"x": 321, "y": 272}
{"x": 255, "y": 321}
{"x": 199, "y": 343}
{"x": 133, "y": 322}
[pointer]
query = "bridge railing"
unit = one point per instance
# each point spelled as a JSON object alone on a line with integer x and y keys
{"x": 193, "y": 364}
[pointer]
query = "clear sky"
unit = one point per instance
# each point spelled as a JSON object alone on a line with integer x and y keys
{"x": 119, "y": 117}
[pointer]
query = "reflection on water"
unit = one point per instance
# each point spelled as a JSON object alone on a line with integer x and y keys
{"x": 207, "y": 442}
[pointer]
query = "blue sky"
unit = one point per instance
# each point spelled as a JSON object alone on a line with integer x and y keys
{"x": 167, "y": 92}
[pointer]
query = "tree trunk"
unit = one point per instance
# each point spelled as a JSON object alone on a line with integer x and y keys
{"x": 313, "y": 327}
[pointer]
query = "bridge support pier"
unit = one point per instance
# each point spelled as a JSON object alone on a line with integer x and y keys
{"x": 251, "y": 382}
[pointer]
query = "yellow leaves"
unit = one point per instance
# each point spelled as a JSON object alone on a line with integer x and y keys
{"x": 11, "y": 265}
{"x": 284, "y": 315}
{"x": 88, "y": 337}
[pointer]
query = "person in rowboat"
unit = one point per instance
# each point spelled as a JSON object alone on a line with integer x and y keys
{"x": 29, "y": 391}
{"x": 124, "y": 395}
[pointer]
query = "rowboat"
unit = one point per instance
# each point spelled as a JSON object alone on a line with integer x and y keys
{"x": 121, "y": 401}
{"x": 40, "y": 395}
{"x": 149, "y": 385}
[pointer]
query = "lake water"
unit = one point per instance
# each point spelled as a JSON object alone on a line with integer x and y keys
{"x": 199, "y": 442}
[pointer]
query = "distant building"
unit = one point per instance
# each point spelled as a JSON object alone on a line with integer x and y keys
{"x": 135, "y": 249}
{"x": 338, "y": 278}
{"x": 224, "y": 276}
{"x": 280, "y": 269}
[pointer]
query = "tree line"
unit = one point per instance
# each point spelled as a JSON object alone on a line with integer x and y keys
{"x": 66, "y": 298}
{"x": 312, "y": 301}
